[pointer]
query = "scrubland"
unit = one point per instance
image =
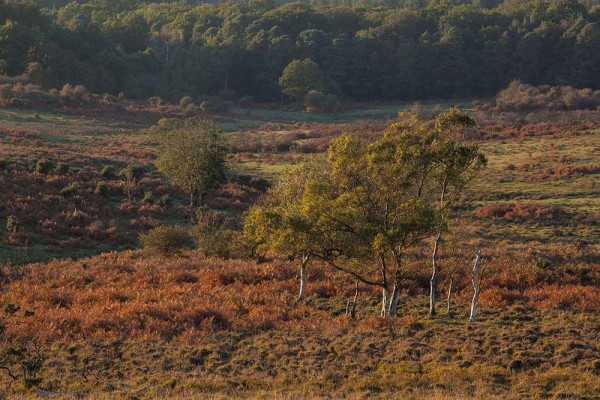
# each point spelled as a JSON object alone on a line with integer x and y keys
{"x": 86, "y": 313}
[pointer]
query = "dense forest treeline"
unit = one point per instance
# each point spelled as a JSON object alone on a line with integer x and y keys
{"x": 372, "y": 49}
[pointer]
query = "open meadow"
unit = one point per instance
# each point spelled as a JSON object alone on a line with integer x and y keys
{"x": 86, "y": 313}
{"x": 314, "y": 199}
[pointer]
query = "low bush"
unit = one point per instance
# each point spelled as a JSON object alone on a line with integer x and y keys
{"x": 185, "y": 101}
{"x": 101, "y": 189}
{"x": 108, "y": 171}
{"x": 62, "y": 168}
{"x": 166, "y": 241}
{"x": 69, "y": 190}
{"x": 43, "y": 166}
{"x": 521, "y": 211}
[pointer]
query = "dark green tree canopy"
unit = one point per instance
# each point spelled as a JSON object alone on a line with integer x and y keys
{"x": 376, "y": 49}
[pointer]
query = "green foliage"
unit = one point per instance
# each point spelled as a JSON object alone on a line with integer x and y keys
{"x": 192, "y": 156}
{"x": 373, "y": 199}
{"x": 62, "y": 168}
{"x": 69, "y": 190}
{"x": 300, "y": 77}
{"x": 43, "y": 166}
{"x": 101, "y": 189}
{"x": 314, "y": 100}
{"x": 317, "y": 101}
{"x": 398, "y": 50}
{"x": 214, "y": 105}
{"x": 165, "y": 200}
{"x": 131, "y": 176}
{"x": 216, "y": 239}
{"x": 148, "y": 198}
{"x": 279, "y": 223}
{"x": 108, "y": 171}
{"x": 166, "y": 241}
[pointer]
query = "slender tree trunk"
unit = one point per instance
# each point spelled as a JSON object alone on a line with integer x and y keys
{"x": 385, "y": 301}
{"x": 353, "y": 309}
{"x": 303, "y": 264}
{"x": 448, "y": 311}
{"x": 476, "y": 287}
{"x": 394, "y": 299}
{"x": 434, "y": 274}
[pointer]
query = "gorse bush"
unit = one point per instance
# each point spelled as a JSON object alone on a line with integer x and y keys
{"x": 43, "y": 166}
{"x": 148, "y": 198}
{"x": 165, "y": 200}
{"x": 101, "y": 189}
{"x": 108, "y": 171}
{"x": 166, "y": 241}
{"x": 69, "y": 190}
{"x": 62, "y": 168}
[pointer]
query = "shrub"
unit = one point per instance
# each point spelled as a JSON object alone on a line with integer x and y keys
{"x": 12, "y": 224}
{"x": 66, "y": 92}
{"x": 3, "y": 165}
{"x": 521, "y": 211}
{"x": 80, "y": 91}
{"x": 214, "y": 105}
{"x": 6, "y": 91}
{"x": 156, "y": 101}
{"x": 148, "y": 198}
{"x": 101, "y": 189}
{"x": 69, "y": 190}
{"x": 314, "y": 101}
{"x": 165, "y": 200}
{"x": 185, "y": 101}
{"x": 107, "y": 172}
{"x": 62, "y": 168}
{"x": 18, "y": 102}
{"x": 43, "y": 166}
{"x": 245, "y": 101}
{"x": 214, "y": 239}
{"x": 166, "y": 241}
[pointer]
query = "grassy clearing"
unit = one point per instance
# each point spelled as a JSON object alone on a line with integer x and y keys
{"x": 363, "y": 112}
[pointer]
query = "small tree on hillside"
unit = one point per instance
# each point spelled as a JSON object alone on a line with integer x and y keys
{"x": 300, "y": 77}
{"x": 193, "y": 157}
{"x": 279, "y": 223}
{"x": 131, "y": 176}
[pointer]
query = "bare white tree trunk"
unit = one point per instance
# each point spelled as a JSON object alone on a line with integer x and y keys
{"x": 302, "y": 294}
{"x": 393, "y": 310}
{"x": 448, "y": 304}
{"x": 476, "y": 286}
{"x": 434, "y": 275}
{"x": 351, "y": 307}
{"x": 385, "y": 301}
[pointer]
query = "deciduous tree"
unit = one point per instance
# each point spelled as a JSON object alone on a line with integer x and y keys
{"x": 193, "y": 157}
